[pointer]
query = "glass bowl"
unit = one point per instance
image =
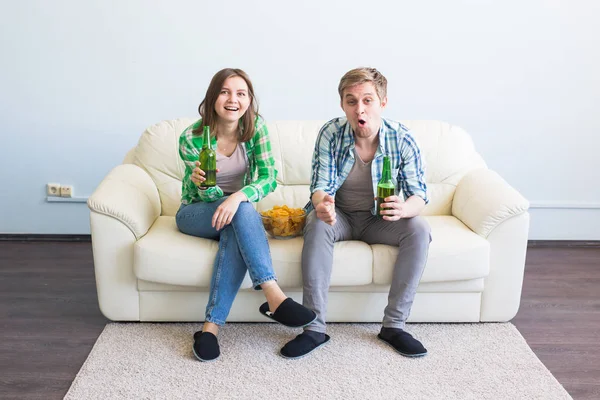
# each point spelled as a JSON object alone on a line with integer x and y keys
{"x": 284, "y": 226}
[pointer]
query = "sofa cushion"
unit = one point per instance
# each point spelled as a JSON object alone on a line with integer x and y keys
{"x": 456, "y": 253}
{"x": 293, "y": 143}
{"x": 352, "y": 261}
{"x": 165, "y": 255}
{"x": 157, "y": 152}
{"x": 290, "y": 195}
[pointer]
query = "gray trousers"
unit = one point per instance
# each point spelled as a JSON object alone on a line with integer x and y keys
{"x": 411, "y": 235}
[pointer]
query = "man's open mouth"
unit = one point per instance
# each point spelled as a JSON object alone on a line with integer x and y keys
{"x": 362, "y": 122}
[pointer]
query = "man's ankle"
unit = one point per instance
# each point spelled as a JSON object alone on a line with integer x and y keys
{"x": 387, "y": 332}
{"x": 318, "y": 336}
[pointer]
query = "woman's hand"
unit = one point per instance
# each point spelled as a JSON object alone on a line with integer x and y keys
{"x": 227, "y": 209}
{"x": 198, "y": 175}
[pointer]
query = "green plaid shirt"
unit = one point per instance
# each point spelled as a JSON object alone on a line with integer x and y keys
{"x": 257, "y": 184}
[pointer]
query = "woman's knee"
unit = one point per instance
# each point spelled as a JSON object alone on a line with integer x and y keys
{"x": 195, "y": 219}
{"x": 184, "y": 220}
{"x": 245, "y": 210}
{"x": 246, "y": 213}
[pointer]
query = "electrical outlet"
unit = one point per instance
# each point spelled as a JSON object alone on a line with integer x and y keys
{"x": 66, "y": 191}
{"x": 53, "y": 189}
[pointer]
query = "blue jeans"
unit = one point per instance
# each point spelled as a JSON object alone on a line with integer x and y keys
{"x": 243, "y": 246}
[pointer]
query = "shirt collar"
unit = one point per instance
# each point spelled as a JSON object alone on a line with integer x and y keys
{"x": 348, "y": 136}
{"x": 351, "y": 143}
{"x": 382, "y": 139}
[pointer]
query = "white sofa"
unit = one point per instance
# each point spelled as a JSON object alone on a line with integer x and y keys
{"x": 146, "y": 270}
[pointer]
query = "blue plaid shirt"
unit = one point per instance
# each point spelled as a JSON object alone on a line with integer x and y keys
{"x": 333, "y": 159}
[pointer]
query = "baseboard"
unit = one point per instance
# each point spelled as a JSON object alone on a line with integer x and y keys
{"x": 563, "y": 243}
{"x": 29, "y": 237}
{"x": 573, "y": 205}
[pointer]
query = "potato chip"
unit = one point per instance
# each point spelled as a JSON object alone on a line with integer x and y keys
{"x": 283, "y": 221}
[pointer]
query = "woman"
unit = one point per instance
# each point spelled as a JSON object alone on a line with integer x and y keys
{"x": 245, "y": 173}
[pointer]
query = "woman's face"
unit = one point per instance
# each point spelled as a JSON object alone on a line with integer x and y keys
{"x": 233, "y": 100}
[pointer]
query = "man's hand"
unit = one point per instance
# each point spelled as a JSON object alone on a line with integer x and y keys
{"x": 227, "y": 209}
{"x": 325, "y": 210}
{"x": 394, "y": 208}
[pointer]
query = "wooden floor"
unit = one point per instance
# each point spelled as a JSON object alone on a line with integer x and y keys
{"x": 49, "y": 317}
{"x": 560, "y": 315}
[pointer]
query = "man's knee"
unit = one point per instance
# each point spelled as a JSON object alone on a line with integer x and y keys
{"x": 419, "y": 229}
{"x": 314, "y": 227}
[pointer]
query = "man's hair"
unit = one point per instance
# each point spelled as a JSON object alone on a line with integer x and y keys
{"x": 207, "y": 111}
{"x": 364, "y": 75}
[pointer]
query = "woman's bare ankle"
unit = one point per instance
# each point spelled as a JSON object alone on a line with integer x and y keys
{"x": 211, "y": 327}
{"x": 274, "y": 294}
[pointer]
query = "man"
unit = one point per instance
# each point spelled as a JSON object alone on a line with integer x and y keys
{"x": 347, "y": 164}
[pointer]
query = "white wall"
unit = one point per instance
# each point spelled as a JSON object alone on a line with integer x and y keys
{"x": 80, "y": 80}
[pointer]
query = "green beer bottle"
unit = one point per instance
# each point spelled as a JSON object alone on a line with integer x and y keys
{"x": 208, "y": 161}
{"x": 385, "y": 186}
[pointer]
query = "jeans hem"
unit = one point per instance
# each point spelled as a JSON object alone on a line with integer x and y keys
{"x": 215, "y": 321}
{"x": 261, "y": 281}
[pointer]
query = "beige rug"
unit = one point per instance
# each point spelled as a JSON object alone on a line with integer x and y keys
{"x": 465, "y": 361}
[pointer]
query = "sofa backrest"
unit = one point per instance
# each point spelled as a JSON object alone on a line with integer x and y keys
{"x": 448, "y": 151}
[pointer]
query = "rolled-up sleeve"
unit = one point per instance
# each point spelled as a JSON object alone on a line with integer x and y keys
{"x": 412, "y": 170}
{"x": 266, "y": 173}
{"x": 324, "y": 169}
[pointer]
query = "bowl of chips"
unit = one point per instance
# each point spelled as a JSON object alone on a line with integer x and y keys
{"x": 283, "y": 222}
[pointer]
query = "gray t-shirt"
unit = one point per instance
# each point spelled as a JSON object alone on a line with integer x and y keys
{"x": 232, "y": 169}
{"x": 356, "y": 193}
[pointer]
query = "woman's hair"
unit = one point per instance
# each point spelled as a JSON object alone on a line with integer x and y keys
{"x": 207, "y": 106}
{"x": 363, "y": 75}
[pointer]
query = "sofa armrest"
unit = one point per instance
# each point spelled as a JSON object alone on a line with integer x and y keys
{"x": 483, "y": 200}
{"x": 129, "y": 195}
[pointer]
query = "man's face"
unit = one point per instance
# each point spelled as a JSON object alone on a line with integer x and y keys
{"x": 363, "y": 109}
